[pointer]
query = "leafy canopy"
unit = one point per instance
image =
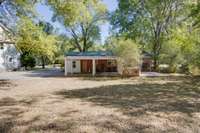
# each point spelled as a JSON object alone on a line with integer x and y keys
{"x": 32, "y": 39}
{"x": 127, "y": 51}
{"x": 148, "y": 22}
{"x": 81, "y": 19}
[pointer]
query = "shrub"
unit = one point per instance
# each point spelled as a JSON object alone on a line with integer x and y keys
{"x": 194, "y": 70}
{"x": 28, "y": 61}
{"x": 60, "y": 60}
{"x": 128, "y": 53}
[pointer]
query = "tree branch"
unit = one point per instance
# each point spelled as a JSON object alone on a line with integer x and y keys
{"x": 74, "y": 35}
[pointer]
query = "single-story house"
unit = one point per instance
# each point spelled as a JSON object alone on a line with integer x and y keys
{"x": 95, "y": 63}
{"x": 9, "y": 55}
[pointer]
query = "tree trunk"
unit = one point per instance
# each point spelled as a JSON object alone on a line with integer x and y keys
{"x": 84, "y": 44}
{"x": 155, "y": 66}
{"x": 156, "y": 52}
{"x": 43, "y": 62}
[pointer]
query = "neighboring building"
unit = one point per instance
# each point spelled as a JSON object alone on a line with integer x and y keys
{"x": 94, "y": 63}
{"x": 147, "y": 62}
{"x": 9, "y": 55}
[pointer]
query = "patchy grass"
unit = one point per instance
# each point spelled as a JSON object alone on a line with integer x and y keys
{"x": 159, "y": 104}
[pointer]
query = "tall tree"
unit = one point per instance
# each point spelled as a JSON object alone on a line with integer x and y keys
{"x": 148, "y": 20}
{"x": 37, "y": 42}
{"x": 48, "y": 29}
{"x": 82, "y": 19}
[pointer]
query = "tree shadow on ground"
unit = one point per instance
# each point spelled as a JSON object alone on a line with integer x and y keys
{"x": 11, "y": 111}
{"x": 12, "y": 120}
{"x": 171, "y": 105}
{"x": 6, "y": 85}
{"x": 137, "y": 99}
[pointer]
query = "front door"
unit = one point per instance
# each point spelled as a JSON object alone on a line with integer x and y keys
{"x": 86, "y": 66}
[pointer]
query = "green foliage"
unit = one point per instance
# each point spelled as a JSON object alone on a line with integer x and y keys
{"x": 60, "y": 60}
{"x": 27, "y": 61}
{"x": 77, "y": 11}
{"x": 172, "y": 55}
{"x": 64, "y": 44}
{"x": 32, "y": 39}
{"x": 147, "y": 22}
{"x": 187, "y": 38}
{"x": 195, "y": 14}
{"x": 127, "y": 51}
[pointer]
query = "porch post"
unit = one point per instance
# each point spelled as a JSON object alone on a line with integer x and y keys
{"x": 66, "y": 65}
{"x": 93, "y": 67}
{"x": 71, "y": 69}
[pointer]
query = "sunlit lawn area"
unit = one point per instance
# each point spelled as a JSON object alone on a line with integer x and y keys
{"x": 161, "y": 104}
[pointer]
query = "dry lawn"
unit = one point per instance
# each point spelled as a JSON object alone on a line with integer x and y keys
{"x": 101, "y": 105}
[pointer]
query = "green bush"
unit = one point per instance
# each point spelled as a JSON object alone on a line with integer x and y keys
{"x": 194, "y": 70}
{"x": 61, "y": 61}
{"x": 28, "y": 61}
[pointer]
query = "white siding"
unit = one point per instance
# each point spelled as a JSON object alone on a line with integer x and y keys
{"x": 76, "y": 68}
{"x": 1, "y": 34}
{"x": 9, "y": 56}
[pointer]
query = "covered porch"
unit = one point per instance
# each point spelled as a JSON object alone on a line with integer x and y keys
{"x": 91, "y": 65}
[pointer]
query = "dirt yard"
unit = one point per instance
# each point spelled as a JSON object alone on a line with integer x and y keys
{"x": 47, "y": 103}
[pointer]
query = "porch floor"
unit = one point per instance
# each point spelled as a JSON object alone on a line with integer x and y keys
{"x": 103, "y": 74}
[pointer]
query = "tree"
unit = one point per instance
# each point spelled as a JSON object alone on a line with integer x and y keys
{"x": 48, "y": 29}
{"x": 36, "y": 42}
{"x": 172, "y": 55}
{"x": 147, "y": 20}
{"x": 188, "y": 39}
{"x": 181, "y": 46}
{"x": 195, "y": 13}
{"x": 83, "y": 22}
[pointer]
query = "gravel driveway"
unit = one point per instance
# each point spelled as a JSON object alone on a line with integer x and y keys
{"x": 17, "y": 75}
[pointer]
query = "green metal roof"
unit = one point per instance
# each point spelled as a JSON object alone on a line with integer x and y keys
{"x": 90, "y": 53}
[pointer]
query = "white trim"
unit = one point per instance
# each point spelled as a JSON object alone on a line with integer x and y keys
{"x": 66, "y": 67}
{"x": 93, "y": 67}
{"x": 71, "y": 69}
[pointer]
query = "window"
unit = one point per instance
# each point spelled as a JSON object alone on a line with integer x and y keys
{"x": 1, "y": 46}
{"x": 74, "y": 64}
{"x": 10, "y": 59}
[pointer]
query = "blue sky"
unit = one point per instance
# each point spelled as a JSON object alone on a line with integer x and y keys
{"x": 46, "y": 15}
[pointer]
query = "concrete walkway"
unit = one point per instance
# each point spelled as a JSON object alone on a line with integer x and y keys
{"x": 156, "y": 74}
